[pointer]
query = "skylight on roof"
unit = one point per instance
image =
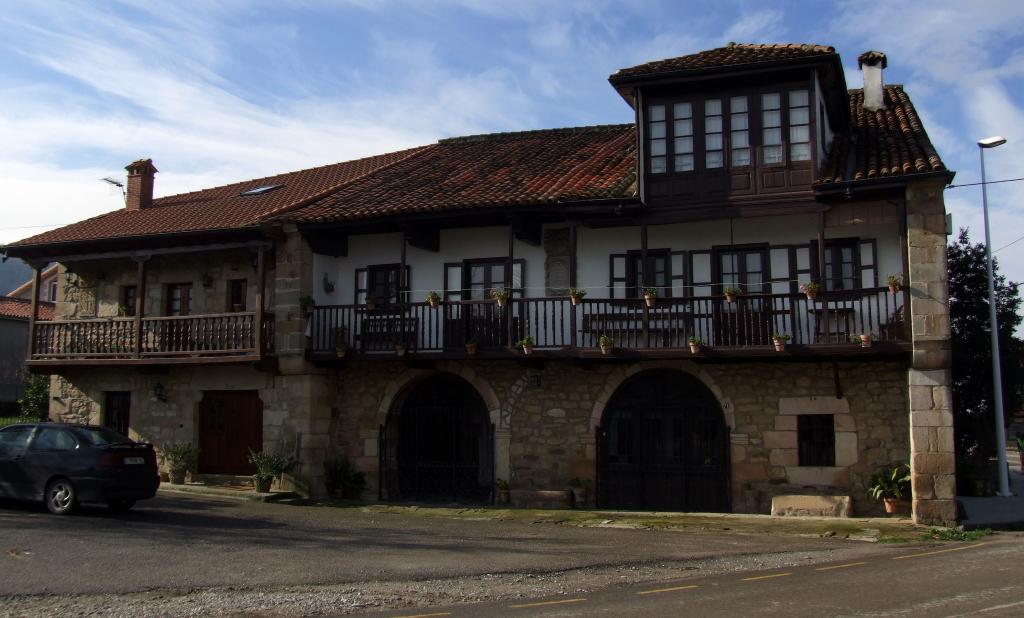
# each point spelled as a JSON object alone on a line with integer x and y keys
{"x": 259, "y": 190}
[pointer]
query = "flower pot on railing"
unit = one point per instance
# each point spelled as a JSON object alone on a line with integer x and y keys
{"x": 606, "y": 344}
{"x": 471, "y": 347}
{"x": 811, "y": 289}
{"x": 500, "y": 296}
{"x": 576, "y": 295}
{"x": 433, "y": 299}
{"x": 731, "y": 294}
{"x": 895, "y": 284}
{"x": 526, "y": 343}
{"x": 865, "y": 340}
{"x": 780, "y": 341}
{"x": 340, "y": 350}
{"x": 695, "y": 345}
{"x": 650, "y": 296}
{"x": 371, "y": 303}
{"x": 401, "y": 349}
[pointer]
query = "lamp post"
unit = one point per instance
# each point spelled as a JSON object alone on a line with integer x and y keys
{"x": 997, "y": 377}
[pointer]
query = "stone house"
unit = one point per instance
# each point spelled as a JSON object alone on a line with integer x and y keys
{"x": 755, "y": 195}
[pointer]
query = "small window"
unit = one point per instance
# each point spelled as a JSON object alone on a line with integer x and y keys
{"x": 259, "y": 190}
{"x": 53, "y": 292}
{"x": 682, "y": 132}
{"x": 713, "y": 143}
{"x": 799, "y": 126}
{"x": 237, "y": 289}
{"x": 127, "y": 300}
{"x": 842, "y": 265}
{"x": 816, "y": 437}
{"x": 379, "y": 282}
{"x": 656, "y": 138}
{"x": 178, "y": 301}
{"x": 739, "y": 132}
{"x": 771, "y": 128}
{"x": 655, "y": 273}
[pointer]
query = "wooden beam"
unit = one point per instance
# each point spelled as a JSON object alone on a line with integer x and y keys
{"x": 508, "y": 286}
{"x": 140, "y": 301}
{"x": 573, "y": 230}
{"x": 821, "y": 248}
{"x": 260, "y": 291}
{"x": 425, "y": 237}
{"x": 402, "y": 283}
{"x": 644, "y": 283}
{"x": 529, "y": 231}
{"x": 34, "y": 315}
{"x": 110, "y": 255}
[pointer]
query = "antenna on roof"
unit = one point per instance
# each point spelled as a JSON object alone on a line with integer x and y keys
{"x": 116, "y": 183}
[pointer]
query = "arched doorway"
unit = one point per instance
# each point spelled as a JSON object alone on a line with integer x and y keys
{"x": 663, "y": 445}
{"x": 438, "y": 444}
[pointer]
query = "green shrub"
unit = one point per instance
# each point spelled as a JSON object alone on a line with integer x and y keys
{"x": 34, "y": 405}
{"x": 181, "y": 456}
{"x": 342, "y": 479}
{"x": 270, "y": 465}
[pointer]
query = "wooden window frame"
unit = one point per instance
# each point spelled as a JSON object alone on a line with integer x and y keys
{"x": 362, "y": 282}
{"x": 233, "y": 285}
{"x": 457, "y": 294}
{"x": 168, "y": 295}
{"x": 766, "y": 265}
{"x": 126, "y": 299}
{"x": 816, "y": 440}
{"x": 833, "y": 248}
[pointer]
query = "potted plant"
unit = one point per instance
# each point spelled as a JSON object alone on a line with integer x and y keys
{"x": 526, "y": 343}
{"x": 269, "y": 466}
{"x": 371, "y": 302}
{"x": 731, "y": 293}
{"x": 863, "y": 339}
{"x": 811, "y": 289}
{"x": 122, "y": 310}
{"x": 471, "y": 346}
{"x": 500, "y": 295}
{"x": 340, "y": 342}
{"x": 580, "y": 491}
{"x": 1020, "y": 451}
{"x": 606, "y": 344}
{"x": 306, "y": 303}
{"x": 180, "y": 457}
{"x": 780, "y": 341}
{"x": 895, "y": 283}
{"x": 576, "y": 295}
{"x": 502, "y": 490}
{"x": 891, "y": 486}
{"x": 650, "y": 296}
{"x": 433, "y": 298}
{"x": 695, "y": 345}
{"x": 401, "y": 347}
{"x": 342, "y": 479}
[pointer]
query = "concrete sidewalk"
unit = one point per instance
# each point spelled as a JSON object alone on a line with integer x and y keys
{"x": 1003, "y": 513}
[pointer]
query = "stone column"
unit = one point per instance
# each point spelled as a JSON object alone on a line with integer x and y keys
{"x": 932, "y": 456}
{"x": 293, "y": 279}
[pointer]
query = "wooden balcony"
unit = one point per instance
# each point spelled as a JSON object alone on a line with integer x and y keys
{"x": 743, "y": 328}
{"x": 194, "y": 339}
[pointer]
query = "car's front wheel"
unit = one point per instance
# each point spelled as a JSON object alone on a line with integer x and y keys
{"x": 60, "y": 497}
{"x": 120, "y": 506}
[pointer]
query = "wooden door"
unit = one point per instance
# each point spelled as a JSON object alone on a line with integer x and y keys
{"x": 117, "y": 411}
{"x": 230, "y": 424}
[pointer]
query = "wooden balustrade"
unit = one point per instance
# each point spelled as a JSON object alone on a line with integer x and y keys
{"x": 554, "y": 323}
{"x": 223, "y": 335}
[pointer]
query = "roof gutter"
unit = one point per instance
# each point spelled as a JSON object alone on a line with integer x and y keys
{"x": 885, "y": 182}
{"x": 64, "y": 247}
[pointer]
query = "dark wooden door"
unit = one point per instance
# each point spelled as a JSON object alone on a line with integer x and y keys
{"x": 117, "y": 412}
{"x": 663, "y": 445}
{"x": 230, "y": 423}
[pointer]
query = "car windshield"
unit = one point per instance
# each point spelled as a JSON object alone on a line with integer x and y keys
{"x": 101, "y": 436}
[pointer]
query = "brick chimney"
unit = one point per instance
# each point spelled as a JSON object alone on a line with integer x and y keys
{"x": 871, "y": 65}
{"x": 139, "y": 194}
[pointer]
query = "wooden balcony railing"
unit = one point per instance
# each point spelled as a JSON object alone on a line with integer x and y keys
{"x": 225, "y": 336}
{"x": 555, "y": 324}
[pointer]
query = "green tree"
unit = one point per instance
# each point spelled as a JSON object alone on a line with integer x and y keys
{"x": 973, "y": 408}
{"x": 35, "y": 403}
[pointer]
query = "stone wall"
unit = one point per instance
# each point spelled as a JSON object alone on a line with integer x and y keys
{"x": 545, "y": 419}
{"x": 933, "y": 459}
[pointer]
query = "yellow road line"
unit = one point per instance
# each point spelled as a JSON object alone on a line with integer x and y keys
{"x": 840, "y": 566}
{"x": 751, "y": 579}
{"x": 543, "y": 603}
{"x": 941, "y": 551}
{"x": 426, "y": 615}
{"x": 668, "y": 589}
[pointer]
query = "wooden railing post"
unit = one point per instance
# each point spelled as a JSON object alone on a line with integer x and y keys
{"x": 644, "y": 283}
{"x": 260, "y": 289}
{"x": 572, "y": 281}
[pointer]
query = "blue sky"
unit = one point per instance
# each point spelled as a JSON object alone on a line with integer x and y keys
{"x": 221, "y": 91}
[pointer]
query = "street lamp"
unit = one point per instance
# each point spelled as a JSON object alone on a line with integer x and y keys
{"x": 997, "y": 377}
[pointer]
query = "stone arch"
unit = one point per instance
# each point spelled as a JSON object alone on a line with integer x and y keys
{"x": 400, "y": 384}
{"x": 618, "y": 377}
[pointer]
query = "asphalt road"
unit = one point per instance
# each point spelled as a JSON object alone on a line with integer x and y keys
{"x": 187, "y": 555}
{"x": 968, "y": 579}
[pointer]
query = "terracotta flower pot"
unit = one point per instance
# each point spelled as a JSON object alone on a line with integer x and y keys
{"x": 500, "y": 301}
{"x": 433, "y": 302}
{"x": 606, "y": 349}
{"x": 896, "y": 507}
{"x": 780, "y": 346}
{"x": 177, "y": 477}
{"x": 471, "y": 349}
{"x": 730, "y": 298}
{"x": 262, "y": 483}
{"x": 574, "y": 299}
{"x": 894, "y": 289}
{"x": 811, "y": 295}
{"x": 865, "y": 341}
{"x": 340, "y": 352}
{"x": 503, "y": 496}
{"x": 400, "y": 350}
{"x": 650, "y": 300}
{"x": 370, "y": 306}
{"x": 694, "y": 348}
{"x": 527, "y": 349}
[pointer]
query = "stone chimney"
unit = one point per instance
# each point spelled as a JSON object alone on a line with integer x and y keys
{"x": 139, "y": 194}
{"x": 871, "y": 65}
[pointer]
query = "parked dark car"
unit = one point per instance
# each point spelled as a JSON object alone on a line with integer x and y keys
{"x": 63, "y": 465}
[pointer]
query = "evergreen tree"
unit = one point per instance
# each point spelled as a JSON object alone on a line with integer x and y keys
{"x": 973, "y": 407}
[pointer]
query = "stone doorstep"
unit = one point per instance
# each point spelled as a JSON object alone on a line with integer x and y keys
{"x": 811, "y": 506}
{"x": 540, "y": 499}
{"x": 233, "y": 492}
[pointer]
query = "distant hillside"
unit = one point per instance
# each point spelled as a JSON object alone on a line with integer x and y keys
{"x": 13, "y": 273}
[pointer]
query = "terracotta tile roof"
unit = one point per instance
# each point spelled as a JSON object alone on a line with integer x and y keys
{"x": 220, "y": 207}
{"x": 734, "y": 54}
{"x": 21, "y": 309}
{"x": 497, "y": 170}
{"x": 886, "y": 143}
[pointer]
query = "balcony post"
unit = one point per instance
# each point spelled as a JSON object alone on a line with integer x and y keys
{"x": 402, "y": 283}
{"x": 508, "y": 284}
{"x": 821, "y": 277}
{"x": 644, "y": 283}
{"x": 34, "y": 314}
{"x": 572, "y": 280}
{"x": 260, "y": 291}
{"x": 140, "y": 300}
